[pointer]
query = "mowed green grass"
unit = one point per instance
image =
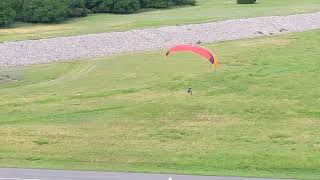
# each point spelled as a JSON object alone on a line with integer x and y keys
{"x": 205, "y": 11}
{"x": 257, "y": 114}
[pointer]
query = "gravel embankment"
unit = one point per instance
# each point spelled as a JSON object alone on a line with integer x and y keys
{"x": 95, "y": 45}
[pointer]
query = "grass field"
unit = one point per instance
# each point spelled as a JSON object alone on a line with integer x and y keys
{"x": 257, "y": 114}
{"x": 205, "y": 11}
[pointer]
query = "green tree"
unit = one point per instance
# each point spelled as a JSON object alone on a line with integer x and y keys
{"x": 156, "y": 3}
{"x": 113, "y": 6}
{"x": 184, "y": 2}
{"x": 7, "y": 13}
{"x": 17, "y": 5}
{"x": 45, "y": 10}
{"x": 99, "y": 6}
{"x": 126, "y": 6}
{"x": 77, "y": 8}
{"x": 246, "y": 1}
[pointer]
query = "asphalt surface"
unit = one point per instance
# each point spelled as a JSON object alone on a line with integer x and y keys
{"x": 36, "y": 174}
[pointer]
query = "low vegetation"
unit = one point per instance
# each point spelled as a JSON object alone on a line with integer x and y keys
{"x": 246, "y": 1}
{"x": 257, "y": 114}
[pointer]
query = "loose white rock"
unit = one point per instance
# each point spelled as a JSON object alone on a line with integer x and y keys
{"x": 29, "y": 52}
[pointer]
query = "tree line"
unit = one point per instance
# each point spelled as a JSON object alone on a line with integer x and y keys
{"x": 50, "y": 11}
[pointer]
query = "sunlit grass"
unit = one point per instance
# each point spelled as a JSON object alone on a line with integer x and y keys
{"x": 257, "y": 114}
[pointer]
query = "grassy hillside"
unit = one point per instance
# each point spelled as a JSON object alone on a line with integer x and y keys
{"x": 205, "y": 11}
{"x": 257, "y": 114}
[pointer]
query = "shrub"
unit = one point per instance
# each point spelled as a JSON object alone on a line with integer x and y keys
{"x": 156, "y": 3}
{"x": 113, "y": 6}
{"x": 99, "y": 6}
{"x": 165, "y": 3}
{"x": 17, "y": 5}
{"x": 77, "y": 8}
{"x": 78, "y": 12}
{"x": 126, "y": 6}
{"x": 7, "y": 13}
{"x": 246, "y": 1}
{"x": 44, "y": 10}
{"x": 184, "y": 2}
{"x": 131, "y": 6}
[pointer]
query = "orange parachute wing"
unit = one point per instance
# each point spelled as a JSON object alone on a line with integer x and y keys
{"x": 195, "y": 49}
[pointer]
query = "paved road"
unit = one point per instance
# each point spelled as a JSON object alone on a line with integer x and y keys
{"x": 35, "y": 174}
{"x": 95, "y": 45}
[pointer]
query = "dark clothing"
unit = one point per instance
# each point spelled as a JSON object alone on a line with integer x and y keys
{"x": 189, "y": 91}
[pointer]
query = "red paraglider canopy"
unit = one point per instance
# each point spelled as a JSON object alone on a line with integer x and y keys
{"x": 195, "y": 49}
